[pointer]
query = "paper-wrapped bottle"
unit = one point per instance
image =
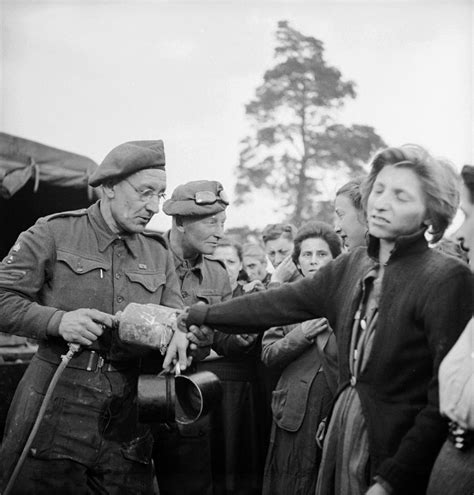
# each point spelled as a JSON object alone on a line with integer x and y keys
{"x": 147, "y": 325}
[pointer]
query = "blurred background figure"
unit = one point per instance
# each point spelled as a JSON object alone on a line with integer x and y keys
{"x": 278, "y": 241}
{"x": 308, "y": 381}
{"x": 453, "y": 471}
{"x": 237, "y": 443}
{"x": 452, "y": 248}
{"x": 255, "y": 262}
{"x": 350, "y": 222}
{"x": 229, "y": 253}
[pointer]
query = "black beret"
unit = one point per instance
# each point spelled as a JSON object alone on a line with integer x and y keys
{"x": 128, "y": 158}
{"x": 200, "y": 197}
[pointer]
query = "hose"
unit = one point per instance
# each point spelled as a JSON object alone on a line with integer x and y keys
{"x": 65, "y": 358}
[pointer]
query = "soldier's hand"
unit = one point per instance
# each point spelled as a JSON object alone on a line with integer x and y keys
{"x": 176, "y": 351}
{"x": 83, "y": 326}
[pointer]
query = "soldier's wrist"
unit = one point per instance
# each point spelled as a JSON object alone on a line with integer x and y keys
{"x": 52, "y": 329}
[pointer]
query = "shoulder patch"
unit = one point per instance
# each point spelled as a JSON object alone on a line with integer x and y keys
{"x": 64, "y": 214}
{"x": 156, "y": 236}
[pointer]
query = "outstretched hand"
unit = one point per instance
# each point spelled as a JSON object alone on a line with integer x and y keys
{"x": 202, "y": 336}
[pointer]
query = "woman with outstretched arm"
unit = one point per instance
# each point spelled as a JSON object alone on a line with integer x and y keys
{"x": 396, "y": 308}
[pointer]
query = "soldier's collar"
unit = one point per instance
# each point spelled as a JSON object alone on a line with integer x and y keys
{"x": 185, "y": 264}
{"x": 105, "y": 236}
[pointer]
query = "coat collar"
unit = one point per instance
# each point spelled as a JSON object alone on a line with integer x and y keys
{"x": 404, "y": 245}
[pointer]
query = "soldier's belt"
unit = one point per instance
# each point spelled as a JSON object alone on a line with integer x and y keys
{"x": 88, "y": 360}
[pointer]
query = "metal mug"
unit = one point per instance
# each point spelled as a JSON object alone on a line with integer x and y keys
{"x": 196, "y": 395}
{"x": 156, "y": 398}
{"x": 180, "y": 398}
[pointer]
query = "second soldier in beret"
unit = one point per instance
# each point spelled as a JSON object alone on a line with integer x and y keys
{"x": 182, "y": 452}
{"x": 62, "y": 283}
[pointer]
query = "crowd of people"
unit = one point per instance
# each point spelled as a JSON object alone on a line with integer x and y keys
{"x": 345, "y": 352}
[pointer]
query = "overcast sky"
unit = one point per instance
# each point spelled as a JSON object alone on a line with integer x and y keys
{"x": 87, "y": 75}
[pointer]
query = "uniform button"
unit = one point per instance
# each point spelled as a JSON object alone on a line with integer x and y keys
{"x": 119, "y": 299}
{"x": 118, "y": 254}
{"x": 184, "y": 293}
{"x": 353, "y": 381}
{"x": 118, "y": 275}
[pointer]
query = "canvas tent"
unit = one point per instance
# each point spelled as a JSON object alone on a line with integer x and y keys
{"x": 37, "y": 180}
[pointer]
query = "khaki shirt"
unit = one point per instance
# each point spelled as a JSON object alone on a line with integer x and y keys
{"x": 204, "y": 280}
{"x": 73, "y": 260}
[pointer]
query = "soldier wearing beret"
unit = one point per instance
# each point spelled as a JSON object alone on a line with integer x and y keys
{"x": 61, "y": 283}
{"x": 182, "y": 453}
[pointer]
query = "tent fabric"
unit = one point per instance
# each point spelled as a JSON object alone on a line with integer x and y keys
{"x": 22, "y": 160}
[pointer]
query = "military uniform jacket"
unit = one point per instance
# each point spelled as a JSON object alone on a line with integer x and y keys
{"x": 207, "y": 280}
{"x": 73, "y": 260}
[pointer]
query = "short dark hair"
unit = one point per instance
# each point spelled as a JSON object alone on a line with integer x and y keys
{"x": 467, "y": 174}
{"x": 319, "y": 230}
{"x": 276, "y": 230}
{"x": 352, "y": 190}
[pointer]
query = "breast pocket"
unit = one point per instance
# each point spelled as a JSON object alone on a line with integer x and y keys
{"x": 78, "y": 278}
{"x": 146, "y": 286}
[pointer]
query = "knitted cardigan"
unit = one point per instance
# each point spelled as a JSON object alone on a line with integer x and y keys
{"x": 426, "y": 301}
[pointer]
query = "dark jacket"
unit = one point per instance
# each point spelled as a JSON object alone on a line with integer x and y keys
{"x": 426, "y": 301}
